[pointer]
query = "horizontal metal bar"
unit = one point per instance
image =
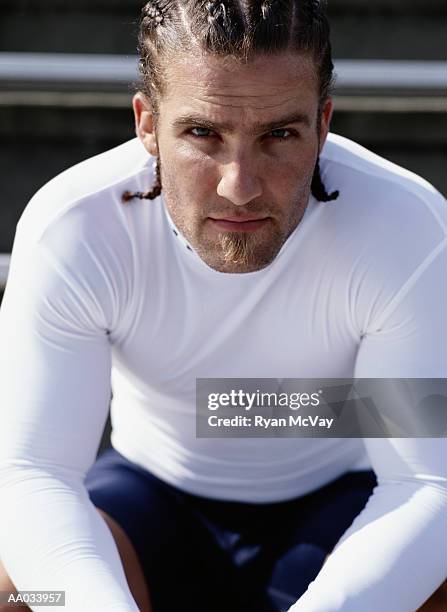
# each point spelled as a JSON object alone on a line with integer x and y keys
{"x": 91, "y": 68}
{"x": 66, "y": 99}
{"x": 4, "y": 268}
{"x": 72, "y": 67}
{"x": 390, "y": 104}
{"x": 392, "y": 74}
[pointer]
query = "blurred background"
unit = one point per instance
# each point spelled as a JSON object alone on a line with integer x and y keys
{"x": 65, "y": 93}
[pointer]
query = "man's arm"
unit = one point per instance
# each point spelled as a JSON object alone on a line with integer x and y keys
{"x": 436, "y": 603}
{"x": 394, "y": 555}
{"x": 55, "y": 386}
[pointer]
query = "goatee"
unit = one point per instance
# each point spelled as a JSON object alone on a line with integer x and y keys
{"x": 238, "y": 248}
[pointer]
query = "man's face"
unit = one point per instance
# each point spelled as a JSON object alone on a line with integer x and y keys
{"x": 238, "y": 144}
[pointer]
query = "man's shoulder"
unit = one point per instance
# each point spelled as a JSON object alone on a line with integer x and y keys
{"x": 91, "y": 185}
{"x": 77, "y": 237}
{"x": 350, "y": 157}
{"x": 381, "y": 235}
{"x": 373, "y": 188}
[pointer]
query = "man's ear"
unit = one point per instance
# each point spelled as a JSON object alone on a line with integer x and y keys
{"x": 326, "y": 117}
{"x": 144, "y": 122}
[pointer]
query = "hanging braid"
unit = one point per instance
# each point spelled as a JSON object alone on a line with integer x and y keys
{"x": 236, "y": 28}
{"x": 319, "y": 190}
{"x": 148, "y": 195}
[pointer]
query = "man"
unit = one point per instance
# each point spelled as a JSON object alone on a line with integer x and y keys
{"x": 263, "y": 248}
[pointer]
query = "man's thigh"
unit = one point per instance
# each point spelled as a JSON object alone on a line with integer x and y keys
{"x": 183, "y": 565}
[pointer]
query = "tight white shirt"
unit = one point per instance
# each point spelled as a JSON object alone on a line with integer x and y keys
{"x": 106, "y": 297}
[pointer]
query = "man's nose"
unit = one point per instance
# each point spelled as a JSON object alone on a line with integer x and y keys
{"x": 239, "y": 183}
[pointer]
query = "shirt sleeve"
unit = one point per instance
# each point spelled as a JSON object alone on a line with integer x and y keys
{"x": 394, "y": 555}
{"x": 55, "y": 363}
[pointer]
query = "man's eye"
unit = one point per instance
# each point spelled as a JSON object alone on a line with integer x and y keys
{"x": 278, "y": 134}
{"x": 200, "y": 132}
{"x": 281, "y": 134}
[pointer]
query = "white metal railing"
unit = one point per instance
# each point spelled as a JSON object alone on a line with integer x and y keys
{"x": 99, "y": 68}
{"x": 67, "y": 67}
{"x": 4, "y": 267}
{"x": 391, "y": 74}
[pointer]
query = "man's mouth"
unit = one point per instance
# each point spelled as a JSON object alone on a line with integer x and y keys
{"x": 239, "y": 224}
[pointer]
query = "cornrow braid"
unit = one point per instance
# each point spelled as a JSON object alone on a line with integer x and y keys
{"x": 318, "y": 189}
{"x": 147, "y": 195}
{"x": 151, "y": 15}
{"x": 271, "y": 19}
{"x": 215, "y": 9}
{"x": 265, "y": 6}
{"x": 220, "y": 24}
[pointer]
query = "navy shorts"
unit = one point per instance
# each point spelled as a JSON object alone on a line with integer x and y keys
{"x": 204, "y": 555}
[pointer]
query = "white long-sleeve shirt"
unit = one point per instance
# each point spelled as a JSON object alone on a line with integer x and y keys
{"x": 103, "y": 296}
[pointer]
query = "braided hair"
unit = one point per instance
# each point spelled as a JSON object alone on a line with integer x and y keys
{"x": 236, "y": 28}
{"x": 153, "y": 193}
{"x": 318, "y": 189}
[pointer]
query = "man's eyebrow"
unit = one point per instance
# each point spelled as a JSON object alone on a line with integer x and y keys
{"x": 257, "y": 128}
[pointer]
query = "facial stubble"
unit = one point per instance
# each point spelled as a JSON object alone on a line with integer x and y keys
{"x": 236, "y": 252}
{"x": 245, "y": 252}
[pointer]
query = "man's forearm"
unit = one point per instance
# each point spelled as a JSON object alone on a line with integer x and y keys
{"x": 437, "y": 602}
{"x": 386, "y": 546}
{"x": 51, "y": 538}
